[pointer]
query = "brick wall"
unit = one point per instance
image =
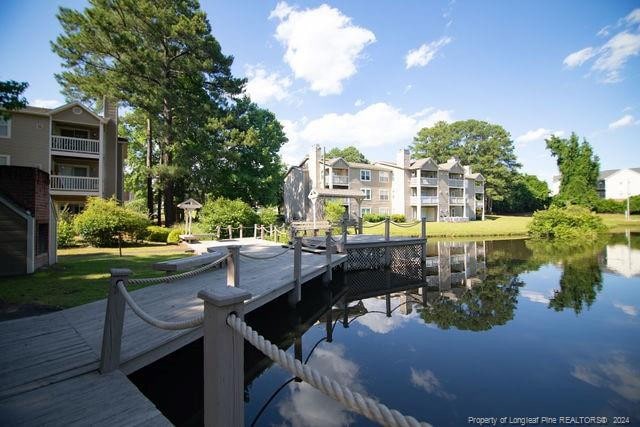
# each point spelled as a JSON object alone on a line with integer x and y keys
{"x": 27, "y": 188}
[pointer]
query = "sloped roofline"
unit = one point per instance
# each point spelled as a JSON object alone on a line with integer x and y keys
{"x": 77, "y": 104}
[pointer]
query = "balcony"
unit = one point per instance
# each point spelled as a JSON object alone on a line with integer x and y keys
{"x": 340, "y": 180}
{"x": 427, "y": 182}
{"x": 456, "y": 200}
{"x": 75, "y": 184}
{"x": 479, "y": 188}
{"x": 424, "y": 200}
{"x": 75, "y": 146}
{"x": 456, "y": 182}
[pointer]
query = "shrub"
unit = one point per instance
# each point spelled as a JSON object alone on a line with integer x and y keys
{"x": 634, "y": 204}
{"x": 174, "y": 236}
{"x": 610, "y": 206}
{"x": 137, "y": 205}
{"x": 156, "y": 233}
{"x": 372, "y": 217}
{"x": 268, "y": 215}
{"x": 333, "y": 211}
{"x": 65, "y": 233}
{"x": 398, "y": 218}
{"x": 102, "y": 220}
{"x": 224, "y": 212}
{"x": 570, "y": 223}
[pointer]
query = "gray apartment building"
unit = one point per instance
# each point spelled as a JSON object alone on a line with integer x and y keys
{"x": 52, "y": 159}
{"x": 415, "y": 188}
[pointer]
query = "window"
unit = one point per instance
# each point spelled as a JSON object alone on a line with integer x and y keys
{"x": 365, "y": 175}
{"x": 74, "y": 133}
{"x": 73, "y": 170}
{"x": 5, "y": 128}
{"x": 364, "y": 211}
{"x": 384, "y": 194}
{"x": 5, "y": 160}
{"x": 383, "y": 211}
{"x": 367, "y": 193}
{"x": 42, "y": 239}
{"x": 383, "y": 176}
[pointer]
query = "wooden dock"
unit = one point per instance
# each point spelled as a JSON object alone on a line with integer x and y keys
{"x": 48, "y": 364}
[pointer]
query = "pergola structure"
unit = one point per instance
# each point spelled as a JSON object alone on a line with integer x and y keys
{"x": 189, "y": 206}
{"x": 330, "y": 193}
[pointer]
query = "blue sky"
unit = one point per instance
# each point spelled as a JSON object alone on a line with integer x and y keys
{"x": 371, "y": 73}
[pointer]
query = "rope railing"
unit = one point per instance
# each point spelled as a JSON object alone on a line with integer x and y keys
{"x": 405, "y": 224}
{"x": 174, "y": 277}
{"x": 162, "y": 324}
{"x": 355, "y": 401}
{"x": 246, "y": 255}
{"x": 372, "y": 224}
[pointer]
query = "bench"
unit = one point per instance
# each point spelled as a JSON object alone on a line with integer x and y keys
{"x": 185, "y": 264}
{"x": 309, "y": 226}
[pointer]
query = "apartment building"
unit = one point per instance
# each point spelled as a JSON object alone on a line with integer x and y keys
{"x": 617, "y": 184}
{"x": 415, "y": 188}
{"x": 52, "y": 159}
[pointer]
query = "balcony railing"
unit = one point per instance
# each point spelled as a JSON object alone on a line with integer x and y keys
{"x": 81, "y": 184}
{"x": 456, "y": 182}
{"x": 340, "y": 180}
{"x": 456, "y": 200}
{"x": 430, "y": 182}
{"x": 424, "y": 200}
{"x": 75, "y": 145}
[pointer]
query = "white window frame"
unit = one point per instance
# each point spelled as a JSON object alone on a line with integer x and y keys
{"x": 384, "y": 174}
{"x": 365, "y": 191}
{"x": 368, "y": 172}
{"x": 8, "y": 124}
{"x": 74, "y": 165}
{"x": 8, "y": 157}
{"x": 383, "y": 190}
{"x": 383, "y": 211}
{"x": 364, "y": 211}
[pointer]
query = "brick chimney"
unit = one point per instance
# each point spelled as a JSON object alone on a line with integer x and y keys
{"x": 110, "y": 109}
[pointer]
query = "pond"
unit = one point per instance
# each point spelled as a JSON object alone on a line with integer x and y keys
{"x": 506, "y": 328}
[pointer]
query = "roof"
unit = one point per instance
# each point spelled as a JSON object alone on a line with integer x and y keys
{"x": 375, "y": 165}
{"x": 190, "y": 204}
{"x": 608, "y": 172}
{"x": 418, "y": 164}
{"x": 476, "y": 175}
{"x": 41, "y": 111}
{"x": 333, "y": 192}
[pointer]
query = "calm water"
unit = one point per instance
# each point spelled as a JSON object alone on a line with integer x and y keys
{"x": 500, "y": 328}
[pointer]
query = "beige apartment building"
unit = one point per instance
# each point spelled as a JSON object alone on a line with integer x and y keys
{"x": 414, "y": 188}
{"x": 79, "y": 149}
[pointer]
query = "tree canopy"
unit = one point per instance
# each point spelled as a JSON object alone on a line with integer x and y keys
{"x": 579, "y": 169}
{"x": 350, "y": 154}
{"x": 526, "y": 194}
{"x": 11, "y": 96}
{"x": 486, "y": 147}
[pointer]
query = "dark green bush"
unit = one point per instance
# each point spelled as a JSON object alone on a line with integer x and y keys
{"x": 610, "y": 206}
{"x": 156, "y": 233}
{"x": 268, "y": 215}
{"x": 398, "y": 218}
{"x": 224, "y": 212}
{"x": 174, "y": 236}
{"x": 102, "y": 220}
{"x": 569, "y": 223}
{"x": 333, "y": 211}
{"x": 634, "y": 204}
{"x": 373, "y": 217}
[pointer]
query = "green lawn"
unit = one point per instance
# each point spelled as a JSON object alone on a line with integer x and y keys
{"x": 82, "y": 275}
{"x": 494, "y": 225}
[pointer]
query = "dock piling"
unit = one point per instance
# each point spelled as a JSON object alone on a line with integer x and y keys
{"x": 328, "y": 245}
{"x": 113, "y": 322}
{"x": 296, "y": 294}
{"x": 233, "y": 266}
{"x": 223, "y": 370}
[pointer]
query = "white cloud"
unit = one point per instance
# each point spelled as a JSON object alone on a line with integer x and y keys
{"x": 631, "y": 310}
{"x": 604, "y": 31}
{"x": 616, "y": 374}
{"x": 263, "y": 87}
{"x": 427, "y": 381}
{"x": 578, "y": 58}
{"x": 624, "y": 121}
{"x": 407, "y": 88}
{"x": 46, "y": 103}
{"x": 359, "y": 102}
{"x": 377, "y": 124}
{"x": 615, "y": 53}
{"x": 322, "y": 45}
{"x": 538, "y": 135}
{"x": 424, "y": 54}
{"x": 633, "y": 17}
{"x": 534, "y": 296}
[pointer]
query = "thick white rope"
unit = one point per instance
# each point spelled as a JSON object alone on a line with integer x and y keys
{"x": 406, "y": 224}
{"x": 162, "y": 324}
{"x": 363, "y": 405}
{"x": 246, "y": 255}
{"x": 174, "y": 277}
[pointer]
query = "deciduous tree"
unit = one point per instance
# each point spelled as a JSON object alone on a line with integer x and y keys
{"x": 350, "y": 154}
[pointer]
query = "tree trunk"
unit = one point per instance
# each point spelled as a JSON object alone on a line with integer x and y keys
{"x": 159, "y": 219}
{"x": 149, "y": 177}
{"x": 169, "y": 209}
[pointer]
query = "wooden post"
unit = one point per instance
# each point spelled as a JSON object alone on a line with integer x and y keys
{"x": 270, "y": 231}
{"x": 113, "y": 322}
{"x": 296, "y": 294}
{"x": 387, "y": 229}
{"x": 328, "y": 249}
{"x": 423, "y": 234}
{"x": 230, "y": 231}
{"x": 423, "y": 230}
{"x": 262, "y": 231}
{"x": 387, "y": 298}
{"x": 344, "y": 235}
{"x": 360, "y": 228}
{"x": 218, "y": 232}
{"x": 255, "y": 231}
{"x": 223, "y": 357}
{"x": 233, "y": 266}
{"x": 241, "y": 231}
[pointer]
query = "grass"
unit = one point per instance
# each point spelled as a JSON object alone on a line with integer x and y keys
{"x": 82, "y": 274}
{"x": 618, "y": 223}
